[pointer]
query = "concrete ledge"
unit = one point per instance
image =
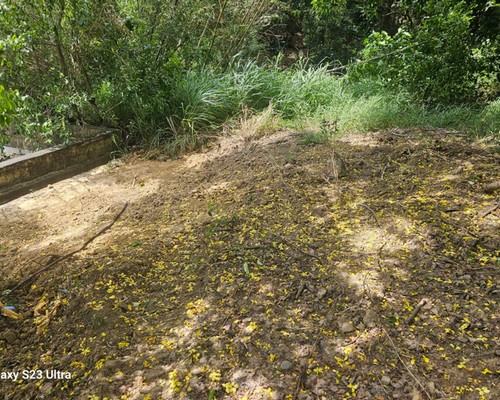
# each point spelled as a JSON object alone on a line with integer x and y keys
{"x": 33, "y": 171}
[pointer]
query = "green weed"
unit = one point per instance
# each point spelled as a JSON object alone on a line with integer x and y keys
{"x": 314, "y": 138}
{"x": 203, "y": 102}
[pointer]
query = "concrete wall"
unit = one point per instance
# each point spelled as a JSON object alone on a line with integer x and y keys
{"x": 29, "y": 172}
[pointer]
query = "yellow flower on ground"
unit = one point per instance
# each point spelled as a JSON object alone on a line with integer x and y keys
{"x": 230, "y": 387}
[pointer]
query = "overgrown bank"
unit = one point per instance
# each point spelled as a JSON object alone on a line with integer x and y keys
{"x": 173, "y": 73}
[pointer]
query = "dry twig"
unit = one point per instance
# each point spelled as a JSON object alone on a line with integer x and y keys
{"x": 373, "y": 213}
{"x": 303, "y": 370}
{"x": 491, "y": 210}
{"x": 404, "y": 365}
{"x": 288, "y": 242}
{"x": 61, "y": 258}
{"x": 300, "y": 289}
{"x": 416, "y": 311}
{"x": 384, "y": 168}
{"x": 472, "y": 234}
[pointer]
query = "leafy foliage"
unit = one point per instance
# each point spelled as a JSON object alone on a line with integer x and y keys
{"x": 437, "y": 61}
{"x": 116, "y": 63}
{"x": 441, "y": 51}
{"x": 168, "y": 72}
{"x": 7, "y": 105}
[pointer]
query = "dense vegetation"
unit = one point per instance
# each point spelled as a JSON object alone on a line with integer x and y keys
{"x": 167, "y": 72}
{"x": 263, "y": 267}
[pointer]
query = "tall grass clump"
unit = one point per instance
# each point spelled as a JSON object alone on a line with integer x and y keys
{"x": 200, "y": 102}
{"x": 488, "y": 120}
{"x": 368, "y": 105}
{"x": 305, "y": 90}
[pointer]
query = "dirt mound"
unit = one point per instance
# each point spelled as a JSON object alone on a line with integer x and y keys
{"x": 254, "y": 271}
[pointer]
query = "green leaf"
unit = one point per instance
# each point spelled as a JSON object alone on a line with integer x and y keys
{"x": 245, "y": 268}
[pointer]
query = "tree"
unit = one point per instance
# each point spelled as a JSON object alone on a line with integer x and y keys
{"x": 439, "y": 54}
{"x": 114, "y": 62}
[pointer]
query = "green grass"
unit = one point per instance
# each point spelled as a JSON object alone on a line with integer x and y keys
{"x": 201, "y": 102}
{"x": 312, "y": 138}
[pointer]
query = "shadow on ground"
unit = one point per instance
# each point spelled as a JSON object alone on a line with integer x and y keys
{"x": 252, "y": 271}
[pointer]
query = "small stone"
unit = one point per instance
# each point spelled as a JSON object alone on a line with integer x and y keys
{"x": 154, "y": 373}
{"x": 46, "y": 388}
{"x": 385, "y": 380}
{"x": 286, "y": 365}
{"x": 66, "y": 359}
{"x": 10, "y": 336}
{"x": 415, "y": 395}
{"x": 241, "y": 375}
{"x": 111, "y": 366}
{"x": 347, "y": 326}
{"x": 321, "y": 293}
{"x": 370, "y": 318}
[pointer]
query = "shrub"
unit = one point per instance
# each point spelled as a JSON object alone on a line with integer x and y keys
{"x": 438, "y": 61}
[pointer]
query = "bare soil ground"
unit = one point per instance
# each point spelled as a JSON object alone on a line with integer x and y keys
{"x": 250, "y": 271}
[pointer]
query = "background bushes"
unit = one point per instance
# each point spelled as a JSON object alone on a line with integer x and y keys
{"x": 165, "y": 70}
